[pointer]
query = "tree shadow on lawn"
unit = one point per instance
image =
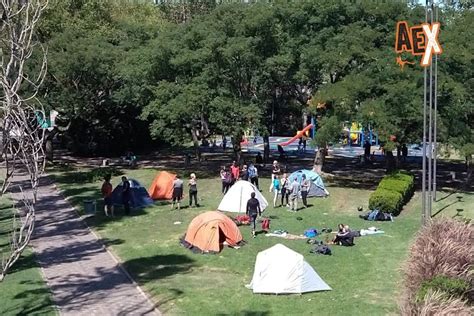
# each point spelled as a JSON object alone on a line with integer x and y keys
{"x": 246, "y": 313}
{"x": 147, "y": 269}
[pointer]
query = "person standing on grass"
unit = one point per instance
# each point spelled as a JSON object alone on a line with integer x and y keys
{"x": 305, "y": 185}
{"x": 177, "y": 192}
{"x": 193, "y": 190}
{"x": 285, "y": 189}
{"x": 275, "y": 171}
{"x": 253, "y": 210}
{"x": 126, "y": 195}
{"x": 107, "y": 195}
{"x": 253, "y": 175}
{"x": 235, "y": 171}
{"x": 223, "y": 174}
{"x": 244, "y": 174}
{"x": 294, "y": 191}
{"x": 276, "y": 189}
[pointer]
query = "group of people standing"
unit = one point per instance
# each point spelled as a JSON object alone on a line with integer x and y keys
{"x": 288, "y": 190}
{"x": 230, "y": 175}
{"x": 178, "y": 187}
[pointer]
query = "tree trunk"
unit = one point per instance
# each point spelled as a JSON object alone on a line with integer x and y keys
{"x": 266, "y": 149}
{"x": 196, "y": 144}
{"x": 390, "y": 161}
{"x": 236, "y": 147}
{"x": 319, "y": 159}
{"x": 49, "y": 149}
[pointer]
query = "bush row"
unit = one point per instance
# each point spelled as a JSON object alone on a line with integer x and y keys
{"x": 394, "y": 191}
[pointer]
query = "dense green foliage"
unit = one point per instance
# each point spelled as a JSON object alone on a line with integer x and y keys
{"x": 450, "y": 286}
{"x": 392, "y": 193}
{"x": 122, "y": 73}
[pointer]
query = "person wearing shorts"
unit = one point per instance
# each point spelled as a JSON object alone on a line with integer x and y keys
{"x": 253, "y": 210}
{"x": 177, "y": 192}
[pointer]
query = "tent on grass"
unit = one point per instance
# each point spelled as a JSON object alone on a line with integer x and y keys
{"x": 235, "y": 200}
{"x": 162, "y": 186}
{"x": 280, "y": 270}
{"x": 208, "y": 231}
{"x": 317, "y": 187}
{"x": 139, "y": 195}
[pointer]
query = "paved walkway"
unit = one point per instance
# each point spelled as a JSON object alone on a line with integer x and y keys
{"x": 84, "y": 278}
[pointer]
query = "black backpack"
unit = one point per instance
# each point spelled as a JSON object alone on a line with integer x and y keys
{"x": 322, "y": 249}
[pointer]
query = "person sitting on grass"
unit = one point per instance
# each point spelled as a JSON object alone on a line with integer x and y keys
{"x": 253, "y": 210}
{"x": 345, "y": 236}
{"x": 107, "y": 195}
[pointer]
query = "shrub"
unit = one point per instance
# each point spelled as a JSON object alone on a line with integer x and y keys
{"x": 386, "y": 201}
{"x": 437, "y": 303}
{"x": 393, "y": 192}
{"x": 444, "y": 247}
{"x": 93, "y": 175}
{"x": 450, "y": 286}
{"x": 403, "y": 187}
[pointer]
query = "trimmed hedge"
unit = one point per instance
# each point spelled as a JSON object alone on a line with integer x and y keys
{"x": 394, "y": 191}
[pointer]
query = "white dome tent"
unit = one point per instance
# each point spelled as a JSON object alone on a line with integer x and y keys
{"x": 280, "y": 270}
{"x": 235, "y": 200}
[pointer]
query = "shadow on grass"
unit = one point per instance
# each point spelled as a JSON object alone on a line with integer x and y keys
{"x": 246, "y": 313}
{"x": 158, "y": 267}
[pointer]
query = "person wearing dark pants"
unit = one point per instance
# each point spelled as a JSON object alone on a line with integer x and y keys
{"x": 177, "y": 192}
{"x": 126, "y": 195}
{"x": 285, "y": 190}
{"x": 253, "y": 210}
{"x": 193, "y": 190}
{"x": 304, "y": 190}
{"x": 253, "y": 175}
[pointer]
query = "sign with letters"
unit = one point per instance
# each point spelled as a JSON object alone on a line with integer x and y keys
{"x": 419, "y": 40}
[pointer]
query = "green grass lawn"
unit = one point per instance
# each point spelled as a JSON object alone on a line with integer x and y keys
{"x": 23, "y": 291}
{"x": 366, "y": 278}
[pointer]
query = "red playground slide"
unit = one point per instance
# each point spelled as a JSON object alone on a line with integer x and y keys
{"x": 297, "y": 136}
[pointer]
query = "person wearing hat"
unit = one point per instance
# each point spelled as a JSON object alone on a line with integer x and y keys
{"x": 193, "y": 190}
{"x": 275, "y": 171}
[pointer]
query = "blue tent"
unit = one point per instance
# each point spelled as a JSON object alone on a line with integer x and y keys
{"x": 139, "y": 195}
{"x": 317, "y": 187}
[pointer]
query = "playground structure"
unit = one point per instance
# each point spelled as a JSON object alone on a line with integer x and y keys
{"x": 47, "y": 122}
{"x": 356, "y": 135}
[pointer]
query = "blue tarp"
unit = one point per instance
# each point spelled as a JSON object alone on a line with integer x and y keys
{"x": 139, "y": 195}
{"x": 317, "y": 186}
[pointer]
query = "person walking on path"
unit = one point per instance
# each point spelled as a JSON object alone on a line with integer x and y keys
{"x": 285, "y": 189}
{"x": 275, "y": 171}
{"x": 253, "y": 175}
{"x": 177, "y": 192}
{"x": 253, "y": 210}
{"x": 126, "y": 195}
{"x": 193, "y": 190}
{"x": 276, "y": 189}
{"x": 107, "y": 195}
{"x": 235, "y": 171}
{"x": 294, "y": 191}
{"x": 305, "y": 185}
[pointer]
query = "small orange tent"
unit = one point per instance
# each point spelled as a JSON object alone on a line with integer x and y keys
{"x": 209, "y": 230}
{"x": 162, "y": 186}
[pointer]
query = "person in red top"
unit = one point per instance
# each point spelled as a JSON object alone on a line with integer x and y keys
{"x": 107, "y": 195}
{"x": 235, "y": 170}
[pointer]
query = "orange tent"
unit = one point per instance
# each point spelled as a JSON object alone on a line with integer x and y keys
{"x": 209, "y": 230}
{"x": 162, "y": 186}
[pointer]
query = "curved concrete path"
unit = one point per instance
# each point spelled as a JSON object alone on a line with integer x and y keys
{"x": 84, "y": 278}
